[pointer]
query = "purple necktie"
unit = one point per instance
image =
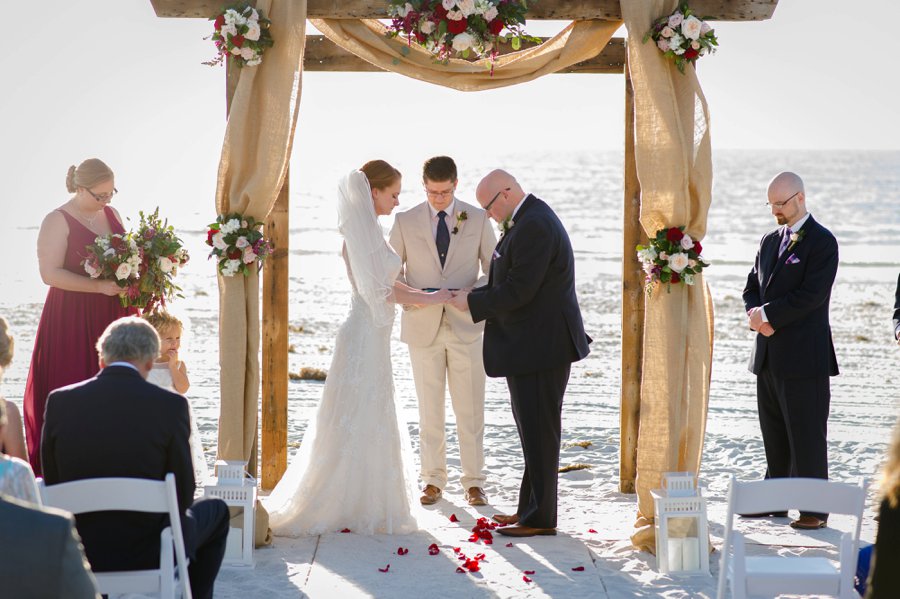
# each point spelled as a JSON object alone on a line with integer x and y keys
{"x": 785, "y": 240}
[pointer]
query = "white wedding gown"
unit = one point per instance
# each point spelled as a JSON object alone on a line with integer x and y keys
{"x": 352, "y": 470}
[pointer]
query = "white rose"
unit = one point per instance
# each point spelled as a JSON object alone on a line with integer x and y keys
{"x": 691, "y": 28}
{"x": 91, "y": 271}
{"x": 254, "y": 62}
{"x": 247, "y": 53}
{"x": 448, "y": 4}
{"x": 252, "y": 31}
{"x": 463, "y": 41}
{"x": 466, "y": 7}
{"x": 490, "y": 14}
{"x": 427, "y": 27}
{"x": 228, "y": 29}
{"x": 219, "y": 241}
{"x": 688, "y": 279}
{"x": 241, "y": 242}
{"x": 123, "y": 271}
{"x": 166, "y": 265}
{"x": 686, "y": 242}
{"x": 236, "y": 51}
{"x": 667, "y": 32}
{"x": 249, "y": 255}
{"x": 678, "y": 262}
{"x": 695, "y": 45}
{"x": 455, "y": 15}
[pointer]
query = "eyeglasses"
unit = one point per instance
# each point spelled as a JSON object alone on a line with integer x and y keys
{"x": 103, "y": 197}
{"x": 439, "y": 194}
{"x": 781, "y": 205}
{"x": 494, "y": 199}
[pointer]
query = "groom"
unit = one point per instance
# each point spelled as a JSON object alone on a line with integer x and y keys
{"x": 533, "y": 332}
{"x": 444, "y": 243}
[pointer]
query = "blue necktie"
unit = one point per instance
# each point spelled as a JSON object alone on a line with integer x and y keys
{"x": 442, "y": 239}
{"x": 785, "y": 240}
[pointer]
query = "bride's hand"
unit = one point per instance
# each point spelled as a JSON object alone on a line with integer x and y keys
{"x": 441, "y": 296}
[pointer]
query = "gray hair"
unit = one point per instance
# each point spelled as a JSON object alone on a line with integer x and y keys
{"x": 128, "y": 339}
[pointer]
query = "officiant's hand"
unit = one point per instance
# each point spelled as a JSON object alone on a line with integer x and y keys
{"x": 460, "y": 300}
{"x": 756, "y": 321}
{"x": 766, "y": 330}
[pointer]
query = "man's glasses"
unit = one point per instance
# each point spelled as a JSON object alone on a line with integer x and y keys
{"x": 494, "y": 199}
{"x": 103, "y": 197}
{"x": 781, "y": 205}
{"x": 439, "y": 194}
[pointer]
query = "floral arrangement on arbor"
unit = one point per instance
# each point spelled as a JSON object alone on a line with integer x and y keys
{"x": 241, "y": 34}
{"x": 682, "y": 37}
{"x": 237, "y": 242}
{"x": 671, "y": 258}
{"x": 143, "y": 262}
{"x": 460, "y": 28}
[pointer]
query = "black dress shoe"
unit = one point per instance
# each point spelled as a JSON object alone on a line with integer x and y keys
{"x": 765, "y": 515}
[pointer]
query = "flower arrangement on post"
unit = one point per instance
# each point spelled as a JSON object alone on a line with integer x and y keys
{"x": 671, "y": 257}
{"x": 241, "y": 34}
{"x": 237, "y": 242}
{"x": 683, "y": 37}
{"x": 461, "y": 28}
{"x": 143, "y": 263}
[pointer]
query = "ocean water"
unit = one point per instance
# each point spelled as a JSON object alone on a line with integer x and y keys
{"x": 855, "y": 194}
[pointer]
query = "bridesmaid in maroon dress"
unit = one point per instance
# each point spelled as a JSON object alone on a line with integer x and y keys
{"x": 78, "y": 308}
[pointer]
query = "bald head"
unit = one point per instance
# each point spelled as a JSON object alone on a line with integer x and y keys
{"x": 499, "y": 193}
{"x": 787, "y": 198}
{"x": 786, "y": 182}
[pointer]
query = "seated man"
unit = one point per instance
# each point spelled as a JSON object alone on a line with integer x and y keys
{"x": 119, "y": 425}
{"x": 42, "y": 554}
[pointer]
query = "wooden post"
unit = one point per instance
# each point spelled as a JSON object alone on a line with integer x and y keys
{"x": 632, "y": 306}
{"x": 275, "y": 343}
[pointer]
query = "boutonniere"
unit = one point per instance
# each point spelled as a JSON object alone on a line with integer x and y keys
{"x": 795, "y": 239}
{"x": 505, "y": 225}
{"x": 460, "y": 217}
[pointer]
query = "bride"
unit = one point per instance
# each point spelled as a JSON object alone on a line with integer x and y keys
{"x": 353, "y": 467}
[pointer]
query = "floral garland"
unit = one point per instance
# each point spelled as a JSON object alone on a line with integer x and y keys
{"x": 237, "y": 242}
{"x": 460, "y": 28}
{"x": 671, "y": 257}
{"x": 143, "y": 263}
{"x": 682, "y": 37}
{"x": 241, "y": 34}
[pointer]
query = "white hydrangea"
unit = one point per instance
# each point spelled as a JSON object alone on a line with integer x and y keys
{"x": 230, "y": 267}
{"x": 255, "y": 61}
{"x": 230, "y": 226}
{"x": 228, "y": 29}
{"x": 675, "y": 43}
{"x": 688, "y": 279}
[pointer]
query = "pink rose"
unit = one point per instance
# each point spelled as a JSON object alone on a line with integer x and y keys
{"x": 676, "y": 19}
{"x": 663, "y": 45}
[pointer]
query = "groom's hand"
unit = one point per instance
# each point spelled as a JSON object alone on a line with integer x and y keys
{"x": 460, "y": 300}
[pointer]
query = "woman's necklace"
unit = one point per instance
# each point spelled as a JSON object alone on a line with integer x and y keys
{"x": 89, "y": 221}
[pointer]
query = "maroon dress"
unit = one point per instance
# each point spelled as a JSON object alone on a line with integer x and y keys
{"x": 65, "y": 344}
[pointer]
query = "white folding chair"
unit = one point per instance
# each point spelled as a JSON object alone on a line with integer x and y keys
{"x": 773, "y": 575}
{"x": 134, "y": 495}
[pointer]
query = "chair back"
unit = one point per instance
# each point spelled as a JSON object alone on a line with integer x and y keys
{"x": 127, "y": 494}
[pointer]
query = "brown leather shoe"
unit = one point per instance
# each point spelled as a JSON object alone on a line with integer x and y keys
{"x": 525, "y": 531}
{"x": 808, "y": 523}
{"x": 476, "y": 496}
{"x": 430, "y": 495}
{"x": 505, "y": 520}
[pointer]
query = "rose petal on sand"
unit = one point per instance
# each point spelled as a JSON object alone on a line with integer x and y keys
{"x": 530, "y": 572}
{"x": 402, "y": 551}
{"x": 526, "y": 579}
{"x": 385, "y": 569}
{"x": 433, "y": 549}
{"x": 578, "y": 569}
{"x": 509, "y": 544}
{"x": 346, "y": 530}
{"x": 453, "y": 518}
{"x": 592, "y": 530}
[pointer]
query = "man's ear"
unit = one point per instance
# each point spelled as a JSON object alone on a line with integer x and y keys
{"x": 102, "y": 364}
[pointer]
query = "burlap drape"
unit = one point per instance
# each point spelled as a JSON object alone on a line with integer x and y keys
{"x": 366, "y": 39}
{"x": 252, "y": 169}
{"x": 674, "y": 166}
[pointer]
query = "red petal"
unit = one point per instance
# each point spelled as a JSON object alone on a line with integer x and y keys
{"x": 480, "y": 556}
{"x": 592, "y": 530}
{"x": 474, "y": 538}
{"x": 346, "y": 530}
{"x": 456, "y": 550}
{"x": 528, "y": 571}
{"x": 453, "y": 518}
{"x": 385, "y": 569}
{"x": 459, "y": 570}
{"x": 509, "y": 544}
{"x": 402, "y": 551}
{"x": 578, "y": 569}
{"x": 433, "y": 549}
{"x": 526, "y": 579}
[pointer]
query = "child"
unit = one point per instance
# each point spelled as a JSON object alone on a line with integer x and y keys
{"x": 170, "y": 373}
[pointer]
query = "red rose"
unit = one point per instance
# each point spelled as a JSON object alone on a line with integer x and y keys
{"x": 456, "y": 27}
{"x": 238, "y": 41}
{"x": 495, "y": 26}
{"x": 235, "y": 254}
{"x": 674, "y": 234}
{"x": 209, "y": 236}
{"x": 420, "y": 37}
{"x": 697, "y": 247}
{"x": 691, "y": 54}
{"x": 439, "y": 12}
{"x": 220, "y": 20}
{"x": 117, "y": 242}
{"x": 675, "y": 278}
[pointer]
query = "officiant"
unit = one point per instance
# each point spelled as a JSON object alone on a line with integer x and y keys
{"x": 445, "y": 243}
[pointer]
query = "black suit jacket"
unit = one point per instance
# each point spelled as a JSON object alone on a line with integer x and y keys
{"x": 533, "y": 321}
{"x": 897, "y": 310}
{"x": 795, "y": 290}
{"x": 118, "y": 425}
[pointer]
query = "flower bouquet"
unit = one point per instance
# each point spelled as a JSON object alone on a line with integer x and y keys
{"x": 460, "y": 28}
{"x": 682, "y": 37}
{"x": 237, "y": 242}
{"x": 241, "y": 34}
{"x": 671, "y": 257}
{"x": 116, "y": 257}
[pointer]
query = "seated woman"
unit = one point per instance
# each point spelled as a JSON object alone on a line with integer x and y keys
{"x": 12, "y": 440}
{"x": 16, "y": 477}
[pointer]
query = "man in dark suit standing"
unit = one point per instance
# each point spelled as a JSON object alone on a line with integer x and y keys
{"x": 897, "y": 312}
{"x": 787, "y": 299}
{"x": 119, "y": 425}
{"x": 533, "y": 332}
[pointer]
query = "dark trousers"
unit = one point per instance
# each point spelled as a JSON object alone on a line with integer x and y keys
{"x": 793, "y": 416}
{"x": 205, "y": 531}
{"x": 536, "y": 400}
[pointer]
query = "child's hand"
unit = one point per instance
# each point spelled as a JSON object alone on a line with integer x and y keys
{"x": 172, "y": 354}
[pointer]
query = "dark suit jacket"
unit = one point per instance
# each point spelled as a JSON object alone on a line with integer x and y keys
{"x": 533, "y": 321}
{"x": 41, "y": 554}
{"x": 118, "y": 425}
{"x": 795, "y": 290}
{"x": 897, "y": 310}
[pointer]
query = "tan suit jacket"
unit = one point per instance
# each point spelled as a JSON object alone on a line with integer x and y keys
{"x": 467, "y": 264}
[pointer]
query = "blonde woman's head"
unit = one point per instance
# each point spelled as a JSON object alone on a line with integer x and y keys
{"x": 89, "y": 173}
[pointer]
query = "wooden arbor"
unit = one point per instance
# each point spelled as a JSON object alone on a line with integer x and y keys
{"x": 322, "y": 55}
